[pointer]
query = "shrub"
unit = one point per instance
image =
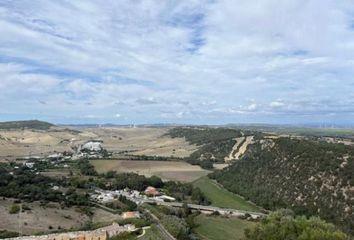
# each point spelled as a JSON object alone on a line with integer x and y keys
{"x": 14, "y": 209}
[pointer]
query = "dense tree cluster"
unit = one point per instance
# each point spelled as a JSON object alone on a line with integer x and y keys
{"x": 178, "y": 221}
{"x": 24, "y": 184}
{"x": 185, "y": 191}
{"x": 122, "y": 204}
{"x": 201, "y": 136}
{"x": 311, "y": 177}
{"x": 114, "y": 181}
{"x": 32, "y": 124}
{"x": 282, "y": 225}
{"x": 86, "y": 168}
{"x": 214, "y": 143}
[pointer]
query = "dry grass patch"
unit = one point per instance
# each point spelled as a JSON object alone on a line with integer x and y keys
{"x": 40, "y": 219}
{"x": 167, "y": 170}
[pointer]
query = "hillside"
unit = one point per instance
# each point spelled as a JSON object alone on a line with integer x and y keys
{"x": 312, "y": 178}
{"x": 31, "y": 124}
{"x": 214, "y": 144}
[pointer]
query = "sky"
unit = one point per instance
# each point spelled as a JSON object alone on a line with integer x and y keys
{"x": 172, "y": 61}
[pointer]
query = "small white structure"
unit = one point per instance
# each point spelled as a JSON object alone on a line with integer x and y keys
{"x": 167, "y": 198}
{"x": 92, "y": 146}
{"x": 56, "y": 156}
{"x": 29, "y": 164}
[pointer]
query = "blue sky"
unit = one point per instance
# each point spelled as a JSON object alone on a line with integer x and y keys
{"x": 196, "y": 61}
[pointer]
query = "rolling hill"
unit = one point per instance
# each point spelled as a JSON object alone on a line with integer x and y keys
{"x": 310, "y": 177}
{"x": 30, "y": 124}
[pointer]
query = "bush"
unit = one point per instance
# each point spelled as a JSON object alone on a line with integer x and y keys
{"x": 14, "y": 209}
{"x": 7, "y": 234}
{"x": 280, "y": 226}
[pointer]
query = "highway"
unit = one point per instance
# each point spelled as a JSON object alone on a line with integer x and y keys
{"x": 222, "y": 211}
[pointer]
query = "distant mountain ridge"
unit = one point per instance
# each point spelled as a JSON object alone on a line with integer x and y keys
{"x": 30, "y": 124}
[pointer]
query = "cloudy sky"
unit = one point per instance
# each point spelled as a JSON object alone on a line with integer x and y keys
{"x": 172, "y": 61}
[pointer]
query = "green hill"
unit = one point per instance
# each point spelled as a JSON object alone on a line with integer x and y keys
{"x": 310, "y": 177}
{"x": 213, "y": 143}
{"x": 31, "y": 124}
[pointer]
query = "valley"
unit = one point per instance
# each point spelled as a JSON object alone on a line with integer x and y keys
{"x": 199, "y": 182}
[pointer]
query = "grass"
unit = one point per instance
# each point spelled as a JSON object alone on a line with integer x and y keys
{"x": 217, "y": 227}
{"x": 220, "y": 197}
{"x": 152, "y": 233}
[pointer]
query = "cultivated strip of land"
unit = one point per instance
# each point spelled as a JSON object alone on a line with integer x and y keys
{"x": 221, "y": 197}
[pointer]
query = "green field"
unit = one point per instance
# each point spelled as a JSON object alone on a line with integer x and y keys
{"x": 220, "y": 197}
{"x": 152, "y": 234}
{"x": 217, "y": 227}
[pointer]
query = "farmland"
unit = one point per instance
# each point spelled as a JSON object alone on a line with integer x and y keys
{"x": 50, "y": 217}
{"x": 16, "y": 143}
{"x": 167, "y": 170}
{"x": 220, "y": 197}
{"x": 216, "y": 227}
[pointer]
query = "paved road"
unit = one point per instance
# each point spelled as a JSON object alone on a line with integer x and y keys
{"x": 162, "y": 229}
{"x": 213, "y": 209}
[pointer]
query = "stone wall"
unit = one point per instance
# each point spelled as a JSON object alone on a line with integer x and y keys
{"x": 98, "y": 234}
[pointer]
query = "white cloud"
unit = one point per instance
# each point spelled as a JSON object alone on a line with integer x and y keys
{"x": 276, "y": 104}
{"x": 82, "y": 58}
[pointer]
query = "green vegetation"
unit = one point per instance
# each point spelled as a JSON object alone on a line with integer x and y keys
{"x": 221, "y": 197}
{"x": 125, "y": 236}
{"x": 14, "y": 209}
{"x": 152, "y": 233}
{"x": 201, "y": 136}
{"x": 114, "y": 181}
{"x": 312, "y": 177}
{"x": 86, "y": 168}
{"x": 122, "y": 204}
{"x": 32, "y": 124}
{"x": 24, "y": 184}
{"x": 217, "y": 227}
{"x": 8, "y": 234}
{"x": 177, "y": 221}
{"x": 129, "y": 180}
{"x": 186, "y": 192}
{"x": 334, "y": 132}
{"x": 214, "y": 143}
{"x": 282, "y": 225}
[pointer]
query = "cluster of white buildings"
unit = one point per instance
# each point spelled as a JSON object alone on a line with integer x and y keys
{"x": 105, "y": 196}
{"x": 89, "y": 150}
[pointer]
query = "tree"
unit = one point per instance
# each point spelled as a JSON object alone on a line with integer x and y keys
{"x": 283, "y": 225}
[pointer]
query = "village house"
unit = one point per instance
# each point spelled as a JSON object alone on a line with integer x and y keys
{"x": 151, "y": 191}
{"x": 129, "y": 215}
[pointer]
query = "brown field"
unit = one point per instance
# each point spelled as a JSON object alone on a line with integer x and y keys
{"x": 139, "y": 141}
{"x": 143, "y": 141}
{"x": 39, "y": 218}
{"x": 167, "y": 170}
